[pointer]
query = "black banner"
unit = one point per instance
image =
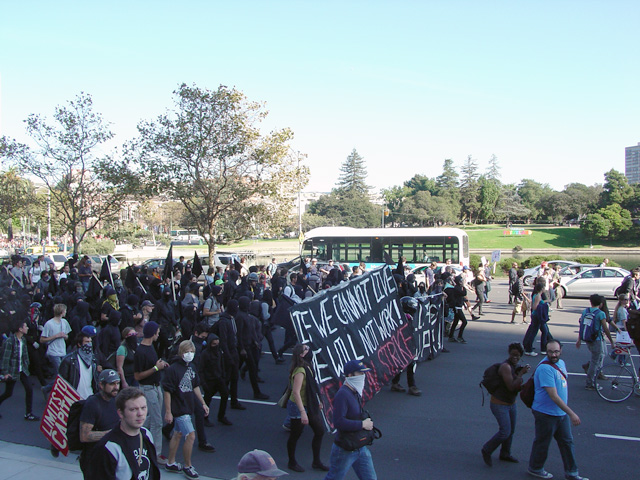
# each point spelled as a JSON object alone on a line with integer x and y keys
{"x": 428, "y": 327}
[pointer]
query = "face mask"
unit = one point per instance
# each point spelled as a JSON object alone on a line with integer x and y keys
{"x": 357, "y": 383}
{"x": 87, "y": 348}
{"x": 188, "y": 357}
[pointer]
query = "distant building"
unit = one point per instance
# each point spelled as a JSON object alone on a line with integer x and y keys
{"x": 632, "y": 164}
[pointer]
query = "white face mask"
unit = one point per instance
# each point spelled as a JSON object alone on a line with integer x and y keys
{"x": 357, "y": 383}
{"x": 188, "y": 357}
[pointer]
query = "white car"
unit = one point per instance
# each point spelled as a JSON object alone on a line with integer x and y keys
{"x": 600, "y": 280}
{"x": 531, "y": 273}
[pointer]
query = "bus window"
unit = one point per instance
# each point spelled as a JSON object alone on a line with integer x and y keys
{"x": 375, "y": 255}
{"x": 451, "y": 249}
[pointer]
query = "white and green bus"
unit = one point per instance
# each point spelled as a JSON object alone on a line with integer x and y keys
{"x": 419, "y": 246}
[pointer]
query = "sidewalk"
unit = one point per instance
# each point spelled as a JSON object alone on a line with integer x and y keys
{"x": 24, "y": 462}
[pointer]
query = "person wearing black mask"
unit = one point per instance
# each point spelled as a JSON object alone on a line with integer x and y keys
{"x": 130, "y": 313}
{"x": 212, "y": 376}
{"x": 109, "y": 337}
{"x": 166, "y": 318}
{"x": 228, "y": 332}
{"x": 248, "y": 329}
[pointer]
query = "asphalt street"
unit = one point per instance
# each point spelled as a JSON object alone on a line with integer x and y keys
{"x": 435, "y": 436}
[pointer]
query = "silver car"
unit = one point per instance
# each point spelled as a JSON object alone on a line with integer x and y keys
{"x": 600, "y": 280}
{"x": 531, "y": 273}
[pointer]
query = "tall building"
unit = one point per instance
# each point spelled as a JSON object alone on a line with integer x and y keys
{"x": 632, "y": 164}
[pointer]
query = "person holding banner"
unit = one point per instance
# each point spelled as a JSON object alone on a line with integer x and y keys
{"x": 303, "y": 407}
{"x": 347, "y": 417}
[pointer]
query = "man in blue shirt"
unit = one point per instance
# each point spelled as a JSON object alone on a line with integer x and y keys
{"x": 596, "y": 346}
{"x": 553, "y": 417}
{"x": 347, "y": 417}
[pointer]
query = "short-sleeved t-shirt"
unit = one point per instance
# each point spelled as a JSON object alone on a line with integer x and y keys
{"x": 57, "y": 347}
{"x": 547, "y": 376}
{"x": 303, "y": 388}
{"x": 99, "y": 413}
{"x": 179, "y": 380}
{"x": 144, "y": 359}
{"x": 621, "y": 316}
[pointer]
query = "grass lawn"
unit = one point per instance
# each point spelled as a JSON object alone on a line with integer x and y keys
{"x": 557, "y": 237}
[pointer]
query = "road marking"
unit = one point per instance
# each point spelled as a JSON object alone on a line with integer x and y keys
{"x": 617, "y": 437}
{"x": 246, "y": 400}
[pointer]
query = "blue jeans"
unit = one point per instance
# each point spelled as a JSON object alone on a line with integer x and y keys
{"x": 597, "y": 357}
{"x": 342, "y": 460}
{"x": 506, "y": 416}
{"x": 547, "y": 427}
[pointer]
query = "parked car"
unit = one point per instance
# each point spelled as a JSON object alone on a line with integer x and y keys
{"x": 531, "y": 273}
{"x": 58, "y": 259}
{"x": 156, "y": 262}
{"x": 600, "y": 280}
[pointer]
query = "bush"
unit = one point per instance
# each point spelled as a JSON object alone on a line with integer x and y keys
{"x": 90, "y": 246}
{"x": 505, "y": 264}
{"x": 474, "y": 261}
{"x": 516, "y": 249}
{"x": 595, "y": 261}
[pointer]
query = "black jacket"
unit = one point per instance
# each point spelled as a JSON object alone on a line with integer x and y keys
{"x": 70, "y": 371}
{"x": 228, "y": 339}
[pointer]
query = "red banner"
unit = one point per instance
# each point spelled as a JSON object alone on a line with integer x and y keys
{"x": 54, "y": 419}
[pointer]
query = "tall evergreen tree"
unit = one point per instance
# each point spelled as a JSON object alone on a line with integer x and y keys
{"x": 470, "y": 190}
{"x": 353, "y": 176}
{"x": 493, "y": 172}
{"x": 447, "y": 182}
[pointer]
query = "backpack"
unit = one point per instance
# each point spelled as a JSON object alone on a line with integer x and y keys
{"x": 491, "y": 378}
{"x": 528, "y": 390}
{"x": 624, "y": 287}
{"x": 73, "y": 425}
{"x": 589, "y": 327}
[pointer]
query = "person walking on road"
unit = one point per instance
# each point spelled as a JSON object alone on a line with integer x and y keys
{"x": 553, "y": 417}
{"x": 503, "y": 405}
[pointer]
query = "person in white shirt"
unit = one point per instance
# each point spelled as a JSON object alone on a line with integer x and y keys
{"x": 55, "y": 333}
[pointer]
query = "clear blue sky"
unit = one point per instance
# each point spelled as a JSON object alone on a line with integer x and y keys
{"x": 550, "y": 87}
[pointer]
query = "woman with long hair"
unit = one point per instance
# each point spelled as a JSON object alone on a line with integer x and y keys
{"x": 538, "y": 298}
{"x": 303, "y": 407}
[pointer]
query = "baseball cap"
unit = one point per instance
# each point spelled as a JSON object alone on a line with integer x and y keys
{"x": 260, "y": 462}
{"x": 108, "y": 376}
{"x": 353, "y": 366}
{"x": 147, "y": 303}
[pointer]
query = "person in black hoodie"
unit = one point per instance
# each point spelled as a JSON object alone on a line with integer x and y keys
{"x": 130, "y": 312}
{"x": 109, "y": 337}
{"x": 247, "y": 342}
{"x": 212, "y": 377}
{"x": 81, "y": 317}
{"x": 228, "y": 333}
{"x": 166, "y": 318}
{"x": 230, "y": 287}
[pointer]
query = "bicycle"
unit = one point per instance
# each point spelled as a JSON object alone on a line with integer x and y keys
{"x": 616, "y": 382}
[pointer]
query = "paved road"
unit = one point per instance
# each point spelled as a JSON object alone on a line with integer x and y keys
{"x": 436, "y": 436}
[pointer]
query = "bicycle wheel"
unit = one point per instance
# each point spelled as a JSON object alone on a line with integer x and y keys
{"x": 618, "y": 383}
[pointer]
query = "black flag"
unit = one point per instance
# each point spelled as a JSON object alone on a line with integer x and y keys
{"x": 130, "y": 279}
{"x": 303, "y": 266}
{"x": 237, "y": 265}
{"x": 196, "y": 268}
{"x": 387, "y": 259}
{"x": 93, "y": 292}
{"x": 105, "y": 271}
{"x": 168, "y": 263}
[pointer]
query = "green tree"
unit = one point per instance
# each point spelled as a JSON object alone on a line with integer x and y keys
{"x": 596, "y": 226}
{"x": 619, "y": 219}
{"x": 582, "y": 199}
{"x": 532, "y": 193}
{"x": 490, "y": 190}
{"x": 493, "y": 172}
{"x": 17, "y": 195}
{"x": 421, "y": 183}
{"x": 510, "y": 205}
{"x": 469, "y": 190}
{"x": 209, "y": 154}
{"x": 616, "y": 189}
{"x": 346, "y": 209}
{"x": 353, "y": 176}
{"x": 87, "y": 186}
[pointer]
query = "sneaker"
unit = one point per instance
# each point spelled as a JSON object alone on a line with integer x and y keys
{"x": 238, "y": 406}
{"x": 207, "y": 447}
{"x": 162, "y": 460}
{"x": 295, "y": 467}
{"x": 593, "y": 387}
{"x": 415, "y": 391}
{"x": 540, "y": 474}
{"x": 261, "y": 396}
{"x": 30, "y": 417}
{"x": 396, "y": 387}
{"x": 173, "y": 468}
{"x": 452, "y": 339}
{"x": 509, "y": 458}
{"x": 575, "y": 477}
{"x": 461, "y": 340}
{"x": 531, "y": 354}
{"x": 190, "y": 472}
{"x": 475, "y": 317}
{"x": 602, "y": 376}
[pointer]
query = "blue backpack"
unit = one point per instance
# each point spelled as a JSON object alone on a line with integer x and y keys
{"x": 590, "y": 325}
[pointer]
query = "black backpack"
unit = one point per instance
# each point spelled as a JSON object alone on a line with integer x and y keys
{"x": 491, "y": 378}
{"x": 73, "y": 426}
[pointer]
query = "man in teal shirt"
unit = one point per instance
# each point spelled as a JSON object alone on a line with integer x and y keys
{"x": 596, "y": 346}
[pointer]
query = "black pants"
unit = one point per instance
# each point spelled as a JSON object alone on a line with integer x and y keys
{"x": 410, "y": 375}
{"x": 250, "y": 362}
{"x": 28, "y": 397}
{"x": 217, "y": 386}
{"x": 266, "y": 331}
{"x": 458, "y": 317}
{"x": 290, "y": 340}
{"x": 296, "y": 430}
{"x": 232, "y": 375}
